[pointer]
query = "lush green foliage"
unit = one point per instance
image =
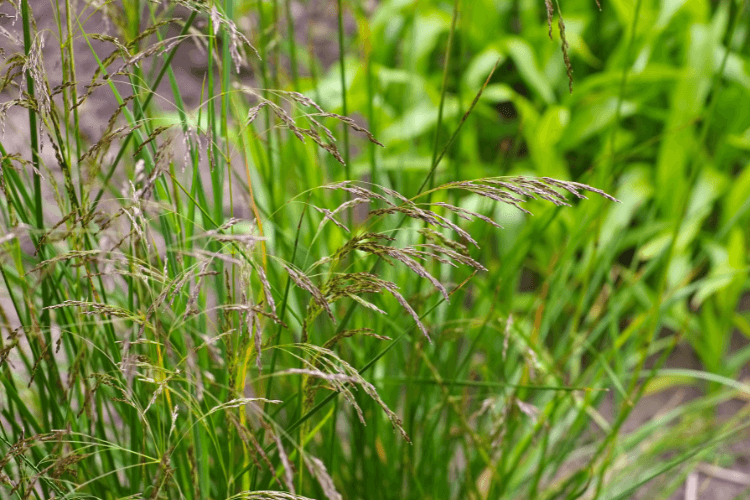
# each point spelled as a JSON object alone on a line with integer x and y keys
{"x": 195, "y": 305}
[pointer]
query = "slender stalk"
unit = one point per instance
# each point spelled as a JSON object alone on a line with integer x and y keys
{"x": 621, "y": 92}
{"x": 342, "y": 76}
{"x": 444, "y": 88}
{"x": 50, "y": 421}
{"x": 371, "y": 114}
{"x": 34, "y": 140}
{"x": 453, "y": 136}
{"x": 292, "y": 43}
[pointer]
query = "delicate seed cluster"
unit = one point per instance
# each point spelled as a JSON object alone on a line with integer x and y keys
{"x": 219, "y": 20}
{"x": 324, "y": 365}
{"x": 510, "y": 190}
{"x": 564, "y": 43}
{"x": 326, "y": 141}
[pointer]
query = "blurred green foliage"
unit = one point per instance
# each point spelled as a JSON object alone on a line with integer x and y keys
{"x": 657, "y": 115}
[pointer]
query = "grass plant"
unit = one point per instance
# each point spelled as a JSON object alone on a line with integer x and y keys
{"x": 306, "y": 272}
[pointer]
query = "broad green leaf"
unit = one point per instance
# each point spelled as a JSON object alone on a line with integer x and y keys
{"x": 496, "y": 92}
{"x": 687, "y": 104}
{"x": 418, "y": 120}
{"x": 710, "y": 185}
{"x": 667, "y": 11}
{"x": 480, "y": 66}
{"x": 735, "y": 69}
{"x": 578, "y": 46}
{"x": 543, "y": 139}
{"x": 653, "y": 74}
{"x": 740, "y": 141}
{"x": 635, "y": 189}
{"x": 523, "y": 56}
{"x": 737, "y": 200}
{"x": 592, "y": 118}
{"x": 427, "y": 30}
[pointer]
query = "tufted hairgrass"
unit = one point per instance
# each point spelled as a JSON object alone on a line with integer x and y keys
{"x": 207, "y": 295}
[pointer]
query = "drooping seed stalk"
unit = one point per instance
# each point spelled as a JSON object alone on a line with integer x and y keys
{"x": 121, "y": 152}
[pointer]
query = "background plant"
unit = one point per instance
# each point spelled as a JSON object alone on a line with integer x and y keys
{"x": 156, "y": 343}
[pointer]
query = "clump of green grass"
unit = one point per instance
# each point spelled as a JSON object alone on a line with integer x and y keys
{"x": 188, "y": 335}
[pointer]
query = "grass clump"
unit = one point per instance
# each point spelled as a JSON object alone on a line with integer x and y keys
{"x": 189, "y": 288}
